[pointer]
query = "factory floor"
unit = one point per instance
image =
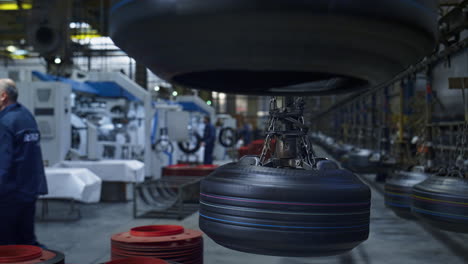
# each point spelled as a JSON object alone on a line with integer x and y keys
{"x": 392, "y": 239}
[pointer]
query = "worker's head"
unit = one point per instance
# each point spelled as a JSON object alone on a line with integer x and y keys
{"x": 207, "y": 120}
{"x": 8, "y": 93}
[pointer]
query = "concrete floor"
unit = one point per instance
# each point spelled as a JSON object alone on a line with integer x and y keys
{"x": 392, "y": 239}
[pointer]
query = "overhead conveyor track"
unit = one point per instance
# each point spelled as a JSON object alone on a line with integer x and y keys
{"x": 422, "y": 66}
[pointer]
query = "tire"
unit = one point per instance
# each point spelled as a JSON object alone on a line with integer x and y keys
{"x": 359, "y": 162}
{"x": 228, "y": 142}
{"x": 442, "y": 202}
{"x": 158, "y": 147}
{"x": 187, "y": 148}
{"x": 399, "y": 189}
{"x": 279, "y": 47}
{"x": 282, "y": 212}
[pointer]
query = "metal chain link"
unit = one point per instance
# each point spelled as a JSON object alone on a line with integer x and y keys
{"x": 310, "y": 153}
{"x": 309, "y": 156}
{"x": 460, "y": 146}
{"x": 271, "y": 127}
{"x": 464, "y": 141}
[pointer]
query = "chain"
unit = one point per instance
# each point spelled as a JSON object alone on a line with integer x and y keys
{"x": 297, "y": 119}
{"x": 310, "y": 157}
{"x": 464, "y": 140}
{"x": 460, "y": 146}
{"x": 310, "y": 153}
{"x": 271, "y": 127}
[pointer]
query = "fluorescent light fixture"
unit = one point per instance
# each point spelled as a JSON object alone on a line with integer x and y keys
{"x": 12, "y": 6}
{"x": 11, "y": 48}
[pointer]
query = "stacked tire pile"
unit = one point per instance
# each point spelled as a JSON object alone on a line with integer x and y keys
{"x": 168, "y": 242}
{"x": 442, "y": 201}
{"x": 20, "y": 254}
{"x": 188, "y": 170}
{"x": 139, "y": 260}
{"x": 283, "y": 212}
{"x": 399, "y": 189}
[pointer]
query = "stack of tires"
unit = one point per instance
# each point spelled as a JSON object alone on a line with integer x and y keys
{"x": 21, "y": 254}
{"x": 442, "y": 201}
{"x": 399, "y": 191}
{"x": 139, "y": 260}
{"x": 167, "y": 242}
{"x": 285, "y": 212}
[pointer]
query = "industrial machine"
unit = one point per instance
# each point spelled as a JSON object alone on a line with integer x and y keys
{"x": 166, "y": 134}
{"x": 50, "y": 104}
{"x": 226, "y": 136}
{"x": 192, "y": 148}
{"x": 19, "y": 73}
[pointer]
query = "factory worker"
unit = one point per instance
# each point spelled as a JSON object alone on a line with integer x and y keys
{"x": 209, "y": 139}
{"x": 22, "y": 177}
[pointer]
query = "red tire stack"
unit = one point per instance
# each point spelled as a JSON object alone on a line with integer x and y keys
{"x": 255, "y": 148}
{"x": 188, "y": 170}
{"x": 138, "y": 260}
{"x": 243, "y": 151}
{"x": 19, "y": 254}
{"x": 168, "y": 242}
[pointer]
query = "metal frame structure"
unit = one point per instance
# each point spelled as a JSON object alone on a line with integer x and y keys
{"x": 367, "y": 119}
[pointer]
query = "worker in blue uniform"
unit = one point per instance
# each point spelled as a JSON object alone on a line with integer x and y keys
{"x": 209, "y": 139}
{"x": 22, "y": 177}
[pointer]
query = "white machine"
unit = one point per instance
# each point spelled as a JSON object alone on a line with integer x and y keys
{"x": 79, "y": 135}
{"x": 50, "y": 104}
{"x": 170, "y": 126}
{"x": 198, "y": 109}
{"x": 225, "y": 136}
{"x": 20, "y": 73}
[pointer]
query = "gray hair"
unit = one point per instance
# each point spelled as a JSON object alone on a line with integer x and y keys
{"x": 9, "y": 87}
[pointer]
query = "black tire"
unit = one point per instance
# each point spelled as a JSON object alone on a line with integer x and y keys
{"x": 442, "y": 202}
{"x": 158, "y": 146}
{"x": 399, "y": 189}
{"x": 227, "y": 141}
{"x": 189, "y": 148}
{"x": 275, "y": 46}
{"x": 360, "y": 163}
{"x": 282, "y": 212}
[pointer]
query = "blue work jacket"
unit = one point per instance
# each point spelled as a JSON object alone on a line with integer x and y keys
{"x": 209, "y": 135}
{"x": 22, "y": 176}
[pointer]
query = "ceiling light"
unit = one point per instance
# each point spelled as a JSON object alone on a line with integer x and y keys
{"x": 11, "y": 48}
